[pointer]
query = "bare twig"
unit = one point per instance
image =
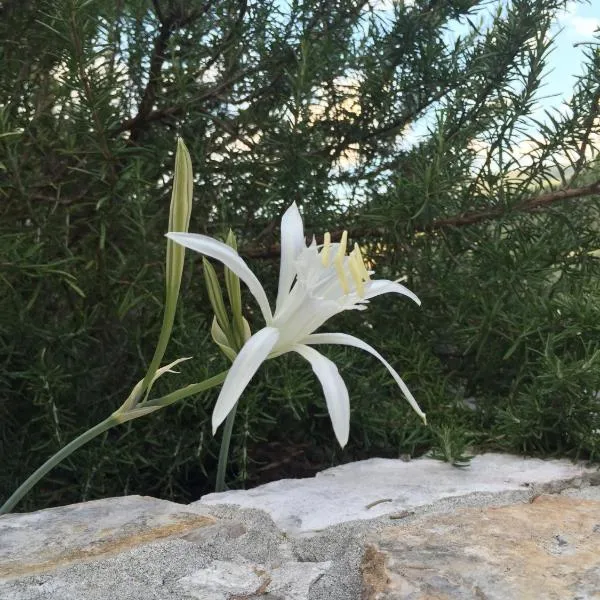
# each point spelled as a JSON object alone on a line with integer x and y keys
{"x": 156, "y": 62}
{"x": 177, "y": 109}
{"x": 465, "y": 219}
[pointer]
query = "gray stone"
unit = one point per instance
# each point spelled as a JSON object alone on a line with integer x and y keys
{"x": 42, "y": 540}
{"x": 136, "y": 548}
{"x": 309, "y": 539}
{"x": 385, "y": 487}
{"x": 228, "y": 580}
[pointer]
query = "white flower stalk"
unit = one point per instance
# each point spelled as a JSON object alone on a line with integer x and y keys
{"x": 316, "y": 282}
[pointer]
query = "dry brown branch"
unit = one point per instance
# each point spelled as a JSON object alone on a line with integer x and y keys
{"x": 470, "y": 218}
{"x": 156, "y": 62}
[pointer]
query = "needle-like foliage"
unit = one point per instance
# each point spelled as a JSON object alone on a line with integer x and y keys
{"x": 413, "y": 125}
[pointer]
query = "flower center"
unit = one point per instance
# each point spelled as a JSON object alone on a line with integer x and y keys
{"x": 352, "y": 266}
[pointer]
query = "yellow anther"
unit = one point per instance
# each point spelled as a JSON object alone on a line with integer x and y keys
{"x": 361, "y": 263}
{"x": 342, "y": 247}
{"x": 355, "y": 270}
{"x": 338, "y": 262}
{"x": 326, "y": 248}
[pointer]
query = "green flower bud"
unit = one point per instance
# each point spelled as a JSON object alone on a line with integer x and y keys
{"x": 179, "y": 217}
{"x": 215, "y": 297}
{"x": 179, "y": 221}
{"x": 234, "y": 292}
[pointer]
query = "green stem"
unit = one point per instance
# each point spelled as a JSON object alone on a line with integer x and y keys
{"x": 165, "y": 335}
{"x": 224, "y": 451}
{"x": 117, "y": 418}
{"x": 188, "y": 390}
{"x": 84, "y": 438}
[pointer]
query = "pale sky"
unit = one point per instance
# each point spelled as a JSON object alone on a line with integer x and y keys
{"x": 578, "y": 24}
{"x": 572, "y": 30}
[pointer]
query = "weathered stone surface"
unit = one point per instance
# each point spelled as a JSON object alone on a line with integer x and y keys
{"x": 137, "y": 548}
{"x": 548, "y": 549}
{"x": 378, "y": 487}
{"x": 34, "y": 542}
{"x": 233, "y": 581}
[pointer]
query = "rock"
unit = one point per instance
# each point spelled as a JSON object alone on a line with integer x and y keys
{"x": 322, "y": 538}
{"x": 227, "y": 580}
{"x": 136, "y": 548}
{"x": 43, "y": 540}
{"x": 546, "y": 549}
{"x": 385, "y": 487}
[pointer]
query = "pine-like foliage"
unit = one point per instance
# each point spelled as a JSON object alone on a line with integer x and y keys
{"x": 493, "y": 217}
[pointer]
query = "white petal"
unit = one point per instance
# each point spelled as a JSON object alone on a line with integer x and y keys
{"x": 334, "y": 388}
{"x": 385, "y": 286}
{"x": 231, "y": 259}
{"x": 253, "y": 353}
{"x": 349, "y": 340}
{"x": 292, "y": 243}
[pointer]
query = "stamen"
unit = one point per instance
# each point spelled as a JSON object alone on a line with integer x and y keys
{"x": 326, "y": 248}
{"x": 342, "y": 247}
{"x": 356, "y": 273}
{"x": 361, "y": 263}
{"x": 338, "y": 262}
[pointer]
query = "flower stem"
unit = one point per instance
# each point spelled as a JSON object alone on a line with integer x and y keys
{"x": 117, "y": 418}
{"x": 63, "y": 453}
{"x": 224, "y": 451}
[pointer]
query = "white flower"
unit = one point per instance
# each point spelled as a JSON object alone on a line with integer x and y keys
{"x": 315, "y": 283}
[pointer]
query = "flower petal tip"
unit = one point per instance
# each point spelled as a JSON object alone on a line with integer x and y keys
{"x": 292, "y": 209}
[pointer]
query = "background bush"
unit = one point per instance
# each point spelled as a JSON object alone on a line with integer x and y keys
{"x": 308, "y": 101}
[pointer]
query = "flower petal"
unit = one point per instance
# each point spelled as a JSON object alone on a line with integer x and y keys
{"x": 253, "y": 353}
{"x": 292, "y": 243}
{"x": 349, "y": 340}
{"x": 231, "y": 259}
{"x": 385, "y": 286}
{"x": 334, "y": 388}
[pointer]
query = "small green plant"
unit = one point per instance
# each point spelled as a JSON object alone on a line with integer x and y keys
{"x": 451, "y": 445}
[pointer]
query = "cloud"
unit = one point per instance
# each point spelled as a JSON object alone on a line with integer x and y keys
{"x": 343, "y": 106}
{"x": 584, "y": 26}
{"x": 576, "y": 24}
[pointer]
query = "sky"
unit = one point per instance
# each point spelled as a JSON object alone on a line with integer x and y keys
{"x": 574, "y": 27}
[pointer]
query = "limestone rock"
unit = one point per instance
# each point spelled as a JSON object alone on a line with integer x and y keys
{"x": 34, "y": 542}
{"x": 135, "y": 548}
{"x": 226, "y": 580}
{"x": 305, "y": 539}
{"x": 378, "y": 487}
{"x": 548, "y": 549}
